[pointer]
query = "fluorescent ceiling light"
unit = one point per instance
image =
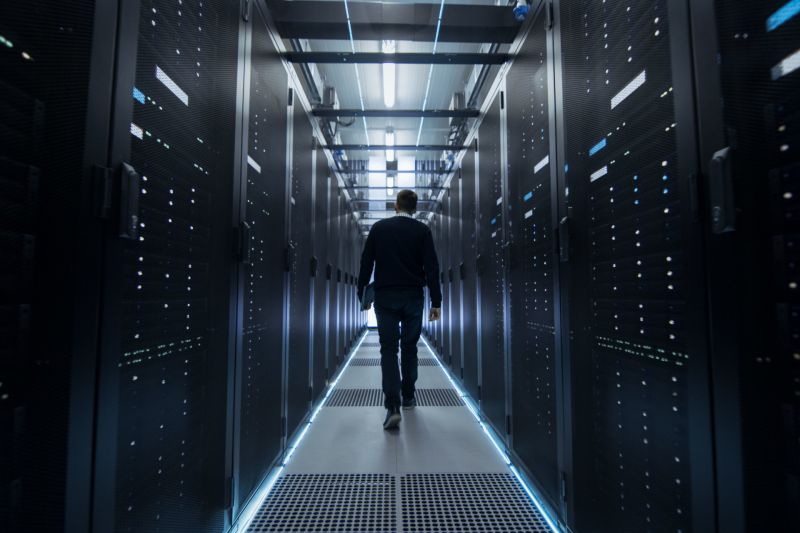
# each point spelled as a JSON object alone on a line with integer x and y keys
{"x": 389, "y": 137}
{"x": 389, "y": 75}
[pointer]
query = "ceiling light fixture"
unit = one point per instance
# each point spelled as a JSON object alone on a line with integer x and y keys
{"x": 389, "y": 141}
{"x": 389, "y": 74}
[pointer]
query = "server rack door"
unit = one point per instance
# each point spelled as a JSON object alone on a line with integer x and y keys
{"x": 637, "y": 345}
{"x": 160, "y": 455}
{"x": 259, "y": 384}
{"x": 447, "y": 287}
{"x": 54, "y": 88}
{"x": 333, "y": 260}
{"x": 532, "y": 262}
{"x": 319, "y": 369}
{"x": 749, "y": 151}
{"x": 469, "y": 317}
{"x": 454, "y": 236}
{"x": 343, "y": 293}
{"x": 491, "y": 266}
{"x": 301, "y": 247}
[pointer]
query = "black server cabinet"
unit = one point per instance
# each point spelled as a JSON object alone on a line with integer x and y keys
{"x": 55, "y": 86}
{"x": 260, "y": 366}
{"x": 532, "y": 262}
{"x": 749, "y": 108}
{"x": 343, "y": 289}
{"x": 469, "y": 318}
{"x": 631, "y": 242}
{"x": 333, "y": 262}
{"x": 300, "y": 253}
{"x": 318, "y": 268}
{"x": 454, "y": 236}
{"x": 447, "y": 286}
{"x": 491, "y": 267}
{"x": 160, "y": 452}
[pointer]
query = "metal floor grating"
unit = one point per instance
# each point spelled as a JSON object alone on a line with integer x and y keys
{"x": 374, "y": 398}
{"x": 467, "y": 503}
{"x": 329, "y": 503}
{"x": 376, "y": 361}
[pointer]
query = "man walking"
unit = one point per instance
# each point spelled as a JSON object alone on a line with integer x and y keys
{"x": 401, "y": 250}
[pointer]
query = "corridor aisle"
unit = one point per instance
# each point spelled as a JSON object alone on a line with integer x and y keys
{"x": 438, "y": 473}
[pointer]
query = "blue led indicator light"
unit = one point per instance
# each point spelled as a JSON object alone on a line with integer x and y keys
{"x": 566, "y": 168}
{"x": 494, "y": 221}
{"x": 138, "y": 95}
{"x": 789, "y": 10}
{"x": 528, "y": 196}
{"x": 597, "y": 147}
{"x": 664, "y": 177}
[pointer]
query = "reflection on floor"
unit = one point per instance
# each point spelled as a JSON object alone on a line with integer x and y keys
{"x": 438, "y": 473}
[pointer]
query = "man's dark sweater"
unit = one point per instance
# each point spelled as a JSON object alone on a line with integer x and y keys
{"x": 402, "y": 251}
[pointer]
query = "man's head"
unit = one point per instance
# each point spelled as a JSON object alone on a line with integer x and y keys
{"x": 406, "y": 202}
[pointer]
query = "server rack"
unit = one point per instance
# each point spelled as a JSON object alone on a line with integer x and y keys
{"x": 53, "y": 132}
{"x": 491, "y": 267}
{"x": 299, "y": 256}
{"x": 320, "y": 279}
{"x": 748, "y": 86}
{"x": 167, "y": 271}
{"x": 447, "y": 288}
{"x": 634, "y": 334}
{"x": 469, "y": 318}
{"x": 454, "y": 236}
{"x": 532, "y": 267}
{"x": 260, "y": 367}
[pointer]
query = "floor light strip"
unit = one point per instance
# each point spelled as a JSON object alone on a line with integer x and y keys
{"x": 495, "y": 441}
{"x": 252, "y": 508}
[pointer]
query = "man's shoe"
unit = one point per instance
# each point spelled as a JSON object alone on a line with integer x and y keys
{"x": 392, "y": 418}
{"x": 409, "y": 403}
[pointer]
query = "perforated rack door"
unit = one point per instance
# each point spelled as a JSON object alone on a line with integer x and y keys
{"x": 258, "y": 439}
{"x": 163, "y": 390}
{"x": 636, "y": 334}
{"x": 532, "y": 262}
{"x": 333, "y": 285}
{"x": 47, "y": 359}
{"x": 755, "y": 306}
{"x": 300, "y": 209}
{"x": 469, "y": 317}
{"x": 454, "y": 236}
{"x": 491, "y": 266}
{"x": 320, "y": 310}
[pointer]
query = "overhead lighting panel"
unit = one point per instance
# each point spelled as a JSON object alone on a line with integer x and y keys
{"x": 389, "y": 74}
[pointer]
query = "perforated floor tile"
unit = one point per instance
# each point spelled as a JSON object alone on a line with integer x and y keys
{"x": 374, "y": 398}
{"x": 376, "y": 361}
{"x": 329, "y": 503}
{"x": 467, "y": 503}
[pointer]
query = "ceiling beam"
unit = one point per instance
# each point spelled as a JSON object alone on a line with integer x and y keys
{"x": 397, "y": 113}
{"x": 408, "y": 58}
{"x": 373, "y": 21}
{"x": 398, "y": 148}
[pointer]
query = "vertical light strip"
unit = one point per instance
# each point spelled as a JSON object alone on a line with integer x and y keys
{"x": 355, "y": 66}
{"x": 490, "y": 434}
{"x": 430, "y": 70}
{"x": 252, "y": 508}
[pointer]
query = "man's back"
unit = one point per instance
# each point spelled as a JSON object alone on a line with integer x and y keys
{"x": 403, "y": 254}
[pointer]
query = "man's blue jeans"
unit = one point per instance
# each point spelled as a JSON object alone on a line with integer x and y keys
{"x": 399, "y": 314}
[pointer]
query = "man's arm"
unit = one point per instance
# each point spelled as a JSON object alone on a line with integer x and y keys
{"x": 367, "y": 264}
{"x": 431, "y": 265}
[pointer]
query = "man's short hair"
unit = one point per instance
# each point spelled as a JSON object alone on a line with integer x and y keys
{"x": 407, "y": 201}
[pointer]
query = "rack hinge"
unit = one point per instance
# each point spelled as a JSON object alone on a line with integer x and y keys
{"x": 563, "y": 486}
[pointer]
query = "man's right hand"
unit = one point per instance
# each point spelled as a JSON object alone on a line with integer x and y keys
{"x": 435, "y": 314}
